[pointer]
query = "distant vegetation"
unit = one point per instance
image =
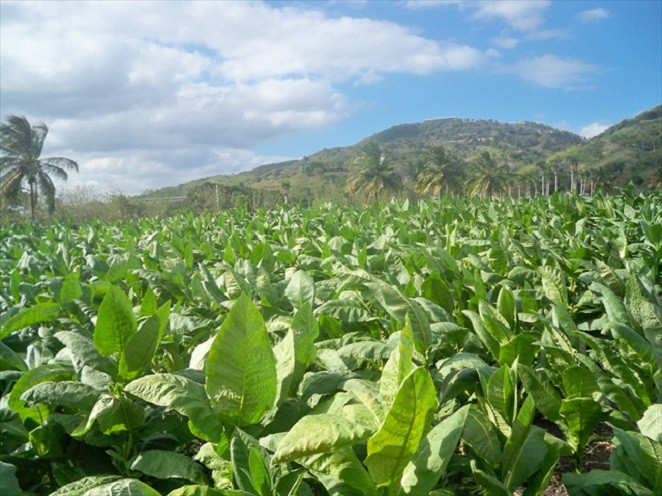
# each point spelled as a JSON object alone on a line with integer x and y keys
{"x": 431, "y": 158}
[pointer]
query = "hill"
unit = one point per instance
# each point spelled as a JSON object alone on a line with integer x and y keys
{"x": 630, "y": 150}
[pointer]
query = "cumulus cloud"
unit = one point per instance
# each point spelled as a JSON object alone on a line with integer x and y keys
{"x": 505, "y": 42}
{"x": 552, "y": 71}
{"x": 522, "y": 15}
{"x": 593, "y": 129}
{"x": 146, "y": 94}
{"x": 593, "y": 15}
{"x": 138, "y": 87}
{"x": 429, "y": 4}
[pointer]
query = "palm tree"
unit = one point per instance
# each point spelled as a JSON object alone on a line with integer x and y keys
{"x": 487, "y": 177}
{"x": 375, "y": 173}
{"x": 21, "y": 146}
{"x": 440, "y": 171}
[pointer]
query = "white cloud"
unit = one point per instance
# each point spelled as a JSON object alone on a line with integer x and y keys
{"x": 138, "y": 170}
{"x": 593, "y": 15}
{"x": 552, "y": 71}
{"x": 593, "y": 129}
{"x": 133, "y": 89}
{"x": 505, "y": 42}
{"x": 429, "y": 4}
{"x": 523, "y": 15}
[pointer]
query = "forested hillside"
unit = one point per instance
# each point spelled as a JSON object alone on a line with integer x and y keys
{"x": 533, "y": 159}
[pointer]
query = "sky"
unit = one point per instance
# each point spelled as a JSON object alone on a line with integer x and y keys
{"x": 150, "y": 94}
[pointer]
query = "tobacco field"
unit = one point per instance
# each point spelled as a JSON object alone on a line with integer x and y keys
{"x": 450, "y": 346}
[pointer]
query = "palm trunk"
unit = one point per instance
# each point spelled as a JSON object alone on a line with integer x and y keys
{"x": 32, "y": 200}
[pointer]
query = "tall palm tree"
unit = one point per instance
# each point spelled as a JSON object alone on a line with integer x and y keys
{"x": 375, "y": 173}
{"x": 487, "y": 176}
{"x": 20, "y": 162}
{"x": 440, "y": 172}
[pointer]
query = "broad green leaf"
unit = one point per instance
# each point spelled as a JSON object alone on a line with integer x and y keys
{"x": 488, "y": 482}
{"x": 306, "y": 330}
{"x": 435, "y": 289}
{"x": 643, "y": 307}
{"x": 70, "y": 290}
{"x": 182, "y": 395}
{"x": 650, "y": 424}
{"x": 374, "y": 410}
{"x": 169, "y": 465}
{"x": 300, "y": 289}
{"x": 537, "y": 484}
{"x": 514, "y": 453}
{"x": 634, "y": 340}
{"x": 494, "y": 323}
{"x": 547, "y": 399}
{"x": 435, "y": 451}
{"x": 142, "y": 346}
{"x": 31, "y": 378}
{"x": 528, "y": 460}
{"x": 407, "y": 421}
{"x": 84, "y": 352}
{"x": 197, "y": 490}
{"x": 239, "y": 455}
{"x": 579, "y": 382}
{"x": 149, "y": 304}
{"x": 340, "y": 466}
{"x": 8, "y": 481}
{"x": 397, "y": 367}
{"x": 554, "y": 285}
{"x": 122, "y": 487}
{"x": 500, "y": 393}
{"x": 646, "y": 455}
{"x": 36, "y": 314}
{"x": 81, "y": 486}
{"x": 479, "y": 433}
{"x": 284, "y": 353}
{"x": 116, "y": 322}
{"x": 220, "y": 466}
{"x": 9, "y": 359}
{"x": 346, "y": 310}
{"x": 241, "y": 368}
{"x": 321, "y": 433}
{"x": 506, "y": 306}
{"x": 64, "y": 393}
{"x": 520, "y": 348}
{"x": 483, "y": 334}
{"x": 614, "y": 306}
{"x": 582, "y": 415}
{"x": 601, "y": 482}
{"x": 651, "y": 455}
{"x": 114, "y": 415}
{"x": 260, "y": 475}
{"x": 399, "y": 306}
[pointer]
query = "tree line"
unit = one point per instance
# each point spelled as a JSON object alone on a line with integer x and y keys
{"x": 26, "y": 181}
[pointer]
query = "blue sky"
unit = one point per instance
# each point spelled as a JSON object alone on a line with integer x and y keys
{"x": 149, "y": 94}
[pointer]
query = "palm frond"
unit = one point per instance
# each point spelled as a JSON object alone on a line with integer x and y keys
{"x": 61, "y": 163}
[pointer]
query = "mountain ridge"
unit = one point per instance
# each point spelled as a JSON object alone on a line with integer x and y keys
{"x": 524, "y": 145}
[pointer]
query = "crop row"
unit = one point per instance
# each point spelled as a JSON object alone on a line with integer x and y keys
{"x": 445, "y": 347}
